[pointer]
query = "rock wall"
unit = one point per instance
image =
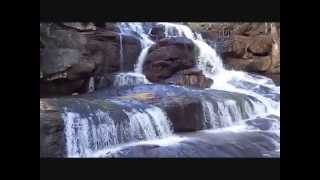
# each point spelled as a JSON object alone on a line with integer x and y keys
{"x": 72, "y": 53}
{"x": 172, "y": 61}
{"x": 251, "y": 47}
{"x": 81, "y": 57}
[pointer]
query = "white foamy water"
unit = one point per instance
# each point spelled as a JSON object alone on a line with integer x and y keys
{"x": 129, "y": 79}
{"x": 168, "y": 141}
{"x": 212, "y": 66}
{"x": 87, "y": 134}
{"x": 149, "y": 123}
{"x": 138, "y": 28}
{"x": 209, "y": 61}
{"x": 93, "y": 135}
{"x": 83, "y": 137}
{"x": 141, "y": 59}
{"x": 172, "y": 29}
{"x": 136, "y": 77}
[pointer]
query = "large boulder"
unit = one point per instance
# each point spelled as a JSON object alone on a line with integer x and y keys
{"x": 190, "y": 77}
{"x": 157, "y": 32}
{"x": 52, "y": 139}
{"x": 115, "y": 52}
{"x": 244, "y": 41}
{"x": 185, "y": 113}
{"x": 237, "y": 47}
{"x": 261, "y": 45}
{"x": 254, "y": 64}
{"x": 64, "y": 66}
{"x": 167, "y": 57}
{"x": 72, "y": 53}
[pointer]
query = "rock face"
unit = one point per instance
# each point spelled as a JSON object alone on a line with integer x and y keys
{"x": 52, "y": 140}
{"x": 203, "y": 144}
{"x": 172, "y": 61}
{"x": 254, "y": 64}
{"x": 249, "y": 54}
{"x": 251, "y": 47}
{"x": 191, "y": 78}
{"x": 184, "y": 108}
{"x": 261, "y": 45}
{"x": 185, "y": 113}
{"x": 72, "y": 53}
{"x": 167, "y": 57}
{"x": 157, "y": 32}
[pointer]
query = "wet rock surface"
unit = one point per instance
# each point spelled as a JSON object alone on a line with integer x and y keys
{"x": 167, "y": 57}
{"x": 94, "y": 107}
{"x": 204, "y": 145}
{"x": 71, "y": 53}
{"x": 245, "y": 46}
{"x": 183, "y": 106}
{"x": 52, "y": 139}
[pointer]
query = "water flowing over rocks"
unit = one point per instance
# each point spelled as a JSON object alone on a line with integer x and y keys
{"x": 204, "y": 145}
{"x": 72, "y": 53}
{"x": 172, "y": 61}
{"x": 120, "y": 108}
{"x": 237, "y": 42}
{"x": 168, "y": 57}
{"x": 134, "y": 89}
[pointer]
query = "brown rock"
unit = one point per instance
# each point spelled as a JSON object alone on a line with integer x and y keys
{"x": 69, "y": 56}
{"x": 52, "y": 140}
{"x": 261, "y": 45}
{"x": 185, "y": 113}
{"x": 275, "y": 77}
{"x": 255, "y": 64}
{"x": 167, "y": 57}
{"x": 190, "y": 77}
{"x": 157, "y": 32}
{"x": 60, "y": 87}
{"x": 237, "y": 47}
{"x": 81, "y": 70}
{"x": 259, "y": 64}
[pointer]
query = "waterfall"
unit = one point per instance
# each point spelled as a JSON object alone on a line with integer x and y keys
{"x": 211, "y": 65}
{"x": 172, "y": 29}
{"x": 87, "y": 133}
{"x": 135, "y": 27}
{"x": 148, "y": 124}
{"x": 220, "y": 114}
{"x": 83, "y": 136}
{"x": 91, "y": 84}
{"x": 89, "y": 130}
{"x": 129, "y": 79}
{"x": 136, "y": 77}
{"x": 141, "y": 59}
{"x": 121, "y": 54}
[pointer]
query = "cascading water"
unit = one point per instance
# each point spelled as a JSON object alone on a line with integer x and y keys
{"x": 129, "y": 79}
{"x": 121, "y": 54}
{"x": 141, "y": 59}
{"x": 172, "y": 29}
{"x": 134, "y": 27}
{"x": 88, "y": 131}
{"x": 137, "y": 77}
{"x": 211, "y": 65}
{"x": 88, "y": 134}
